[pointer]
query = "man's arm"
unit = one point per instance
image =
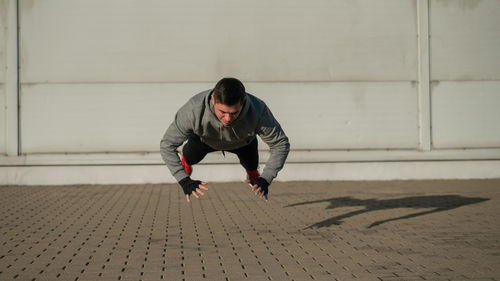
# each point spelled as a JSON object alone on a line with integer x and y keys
{"x": 273, "y": 135}
{"x": 176, "y": 134}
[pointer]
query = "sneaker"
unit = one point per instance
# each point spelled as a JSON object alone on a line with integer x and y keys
{"x": 188, "y": 168}
{"x": 252, "y": 175}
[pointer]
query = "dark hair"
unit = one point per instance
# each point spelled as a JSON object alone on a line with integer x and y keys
{"x": 229, "y": 91}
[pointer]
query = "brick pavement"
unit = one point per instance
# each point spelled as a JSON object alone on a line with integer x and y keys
{"x": 398, "y": 230}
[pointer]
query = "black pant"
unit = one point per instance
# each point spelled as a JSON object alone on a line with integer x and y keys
{"x": 195, "y": 150}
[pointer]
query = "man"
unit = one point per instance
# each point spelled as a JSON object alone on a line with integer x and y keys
{"x": 224, "y": 119}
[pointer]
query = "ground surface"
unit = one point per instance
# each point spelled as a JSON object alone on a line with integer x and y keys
{"x": 401, "y": 230}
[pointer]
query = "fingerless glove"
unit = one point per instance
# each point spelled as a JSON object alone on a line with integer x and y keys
{"x": 262, "y": 183}
{"x": 189, "y": 185}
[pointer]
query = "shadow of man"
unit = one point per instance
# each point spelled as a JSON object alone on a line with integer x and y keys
{"x": 439, "y": 203}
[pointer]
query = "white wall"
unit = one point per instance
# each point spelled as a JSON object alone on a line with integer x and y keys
{"x": 190, "y": 41}
{"x": 113, "y": 68}
{"x": 3, "y": 64}
{"x": 350, "y": 80}
{"x": 465, "y": 70}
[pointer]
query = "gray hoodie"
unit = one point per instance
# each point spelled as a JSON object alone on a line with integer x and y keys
{"x": 197, "y": 117}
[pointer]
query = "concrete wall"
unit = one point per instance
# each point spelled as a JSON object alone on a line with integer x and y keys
{"x": 357, "y": 80}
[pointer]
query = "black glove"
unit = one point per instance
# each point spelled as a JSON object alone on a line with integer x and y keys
{"x": 189, "y": 185}
{"x": 262, "y": 183}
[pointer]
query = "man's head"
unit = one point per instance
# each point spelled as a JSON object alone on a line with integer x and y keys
{"x": 228, "y": 97}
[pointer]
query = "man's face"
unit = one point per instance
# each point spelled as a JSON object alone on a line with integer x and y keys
{"x": 226, "y": 113}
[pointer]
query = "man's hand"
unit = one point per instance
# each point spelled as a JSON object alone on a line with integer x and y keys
{"x": 192, "y": 187}
{"x": 259, "y": 186}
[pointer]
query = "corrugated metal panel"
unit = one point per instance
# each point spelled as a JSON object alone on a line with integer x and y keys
{"x": 197, "y": 40}
{"x": 133, "y": 117}
{"x": 465, "y": 40}
{"x": 466, "y": 114}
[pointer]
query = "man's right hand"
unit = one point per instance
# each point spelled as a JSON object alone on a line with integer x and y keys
{"x": 192, "y": 187}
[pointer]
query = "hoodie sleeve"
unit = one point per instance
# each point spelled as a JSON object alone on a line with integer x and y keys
{"x": 176, "y": 134}
{"x": 273, "y": 135}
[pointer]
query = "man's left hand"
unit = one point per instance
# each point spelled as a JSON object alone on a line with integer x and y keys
{"x": 260, "y": 186}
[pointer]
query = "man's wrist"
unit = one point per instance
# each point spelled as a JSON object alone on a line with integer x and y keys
{"x": 185, "y": 181}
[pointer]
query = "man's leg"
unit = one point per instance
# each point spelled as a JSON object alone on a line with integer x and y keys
{"x": 194, "y": 150}
{"x": 249, "y": 158}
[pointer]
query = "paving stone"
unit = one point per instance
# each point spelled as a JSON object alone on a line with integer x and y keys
{"x": 398, "y": 230}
